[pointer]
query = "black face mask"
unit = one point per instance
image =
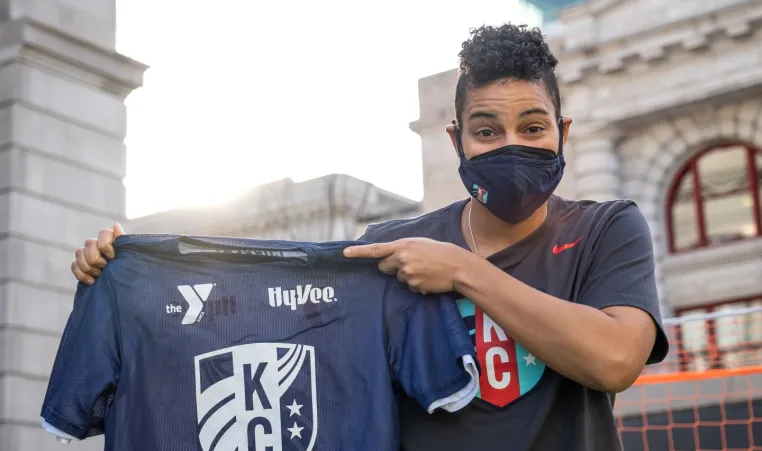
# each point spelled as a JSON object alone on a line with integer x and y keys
{"x": 512, "y": 181}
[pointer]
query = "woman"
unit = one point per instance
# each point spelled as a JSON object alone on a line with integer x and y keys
{"x": 560, "y": 295}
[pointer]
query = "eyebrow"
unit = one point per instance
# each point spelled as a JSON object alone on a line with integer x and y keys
{"x": 524, "y": 113}
{"x": 531, "y": 111}
{"x": 483, "y": 114}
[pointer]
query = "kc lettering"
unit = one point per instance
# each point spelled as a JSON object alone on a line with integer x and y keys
{"x": 299, "y": 296}
{"x": 508, "y": 371}
{"x": 257, "y": 397}
{"x": 496, "y": 351}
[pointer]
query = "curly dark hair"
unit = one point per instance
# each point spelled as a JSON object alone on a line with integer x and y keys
{"x": 513, "y": 52}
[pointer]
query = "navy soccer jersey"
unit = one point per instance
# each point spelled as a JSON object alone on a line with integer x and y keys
{"x": 200, "y": 343}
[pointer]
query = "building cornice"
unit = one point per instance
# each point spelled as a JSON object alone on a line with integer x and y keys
{"x": 712, "y": 258}
{"x": 40, "y": 45}
{"x": 584, "y": 53}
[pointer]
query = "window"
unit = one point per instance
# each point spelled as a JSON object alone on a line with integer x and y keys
{"x": 715, "y": 198}
{"x": 722, "y": 336}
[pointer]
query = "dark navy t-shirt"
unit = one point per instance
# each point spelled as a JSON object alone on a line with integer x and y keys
{"x": 597, "y": 254}
{"x": 191, "y": 343}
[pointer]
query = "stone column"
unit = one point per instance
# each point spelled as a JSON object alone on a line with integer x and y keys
{"x": 441, "y": 182}
{"x": 62, "y": 164}
{"x": 595, "y": 164}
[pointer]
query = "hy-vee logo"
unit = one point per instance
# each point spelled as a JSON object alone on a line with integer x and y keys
{"x": 300, "y": 295}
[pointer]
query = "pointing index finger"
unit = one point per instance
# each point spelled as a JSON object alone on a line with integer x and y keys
{"x": 376, "y": 250}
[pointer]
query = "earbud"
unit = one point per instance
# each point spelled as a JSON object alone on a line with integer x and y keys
{"x": 458, "y": 141}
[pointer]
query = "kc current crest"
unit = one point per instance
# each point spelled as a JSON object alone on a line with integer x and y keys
{"x": 257, "y": 397}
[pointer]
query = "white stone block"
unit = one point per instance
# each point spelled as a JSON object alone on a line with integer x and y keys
{"x": 599, "y": 187}
{"x": 650, "y": 209}
{"x": 6, "y": 171}
{"x": 34, "y": 308}
{"x": 757, "y": 138}
{"x": 31, "y": 437}
{"x": 72, "y": 101}
{"x": 748, "y": 118}
{"x": 662, "y": 162}
{"x": 21, "y": 398}
{"x": 567, "y": 188}
{"x": 653, "y": 175}
{"x": 745, "y": 132}
{"x": 676, "y": 146}
{"x": 632, "y": 189}
{"x": 48, "y": 221}
{"x": 633, "y": 168}
{"x": 707, "y": 122}
{"x": 630, "y": 147}
{"x": 646, "y": 193}
{"x": 36, "y": 264}
{"x": 27, "y": 353}
{"x": 67, "y": 183}
{"x": 592, "y": 162}
{"x": 689, "y": 130}
{"x": 63, "y": 140}
{"x": 441, "y": 183}
{"x": 714, "y": 274}
{"x": 659, "y": 251}
{"x": 92, "y": 20}
{"x": 662, "y": 133}
{"x": 726, "y": 118}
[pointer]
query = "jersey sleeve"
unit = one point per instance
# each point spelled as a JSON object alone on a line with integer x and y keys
{"x": 622, "y": 271}
{"x": 86, "y": 369}
{"x": 431, "y": 355}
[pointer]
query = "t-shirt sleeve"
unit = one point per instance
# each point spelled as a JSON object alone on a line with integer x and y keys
{"x": 86, "y": 369}
{"x": 431, "y": 355}
{"x": 622, "y": 271}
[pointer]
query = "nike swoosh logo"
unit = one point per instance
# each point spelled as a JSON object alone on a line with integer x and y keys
{"x": 558, "y": 249}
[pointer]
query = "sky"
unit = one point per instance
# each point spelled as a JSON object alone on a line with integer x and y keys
{"x": 240, "y": 94}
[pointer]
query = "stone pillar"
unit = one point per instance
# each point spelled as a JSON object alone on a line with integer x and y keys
{"x": 441, "y": 182}
{"x": 596, "y": 164}
{"x": 62, "y": 164}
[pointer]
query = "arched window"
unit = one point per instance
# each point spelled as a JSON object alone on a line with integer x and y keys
{"x": 715, "y": 198}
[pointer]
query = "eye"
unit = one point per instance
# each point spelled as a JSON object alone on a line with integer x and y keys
{"x": 486, "y": 133}
{"x": 535, "y": 129}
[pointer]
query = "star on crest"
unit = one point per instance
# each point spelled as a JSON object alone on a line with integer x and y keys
{"x": 295, "y": 431}
{"x": 295, "y": 409}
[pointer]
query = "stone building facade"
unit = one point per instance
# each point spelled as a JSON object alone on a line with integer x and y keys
{"x": 62, "y": 126}
{"x": 332, "y": 207}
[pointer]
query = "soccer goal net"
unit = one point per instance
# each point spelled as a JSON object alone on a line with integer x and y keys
{"x": 707, "y": 395}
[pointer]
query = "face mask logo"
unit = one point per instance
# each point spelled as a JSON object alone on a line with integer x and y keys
{"x": 479, "y": 193}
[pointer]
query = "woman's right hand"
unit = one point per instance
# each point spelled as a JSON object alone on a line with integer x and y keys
{"x": 92, "y": 258}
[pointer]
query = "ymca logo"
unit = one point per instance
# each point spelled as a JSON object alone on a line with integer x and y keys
{"x": 198, "y": 305}
{"x": 508, "y": 370}
{"x": 259, "y": 397}
{"x": 300, "y": 296}
{"x": 479, "y": 194}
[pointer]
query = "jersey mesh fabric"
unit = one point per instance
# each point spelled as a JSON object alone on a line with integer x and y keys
{"x": 199, "y": 343}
